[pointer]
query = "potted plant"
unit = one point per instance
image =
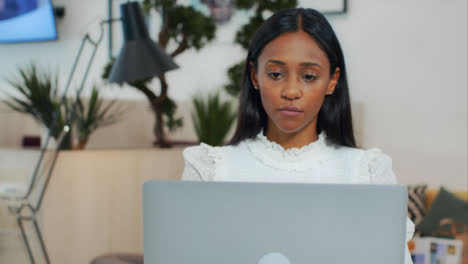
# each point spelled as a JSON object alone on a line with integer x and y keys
{"x": 212, "y": 119}
{"x": 39, "y": 98}
{"x": 93, "y": 115}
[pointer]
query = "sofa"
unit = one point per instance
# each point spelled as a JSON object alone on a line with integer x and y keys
{"x": 444, "y": 215}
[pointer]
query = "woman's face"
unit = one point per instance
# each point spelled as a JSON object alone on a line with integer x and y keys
{"x": 293, "y": 78}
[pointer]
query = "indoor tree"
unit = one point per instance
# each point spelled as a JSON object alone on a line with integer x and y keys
{"x": 183, "y": 28}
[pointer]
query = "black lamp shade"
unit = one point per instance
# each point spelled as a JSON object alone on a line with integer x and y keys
{"x": 140, "y": 57}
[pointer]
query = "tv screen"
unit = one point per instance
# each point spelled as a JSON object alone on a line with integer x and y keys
{"x": 26, "y": 20}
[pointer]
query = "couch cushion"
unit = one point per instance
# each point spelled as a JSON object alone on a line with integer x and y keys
{"x": 118, "y": 258}
{"x": 431, "y": 194}
{"x": 445, "y": 205}
{"x": 416, "y": 203}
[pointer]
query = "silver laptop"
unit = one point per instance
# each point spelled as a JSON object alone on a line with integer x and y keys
{"x": 272, "y": 223}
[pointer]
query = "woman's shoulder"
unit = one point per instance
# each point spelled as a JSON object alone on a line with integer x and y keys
{"x": 202, "y": 153}
{"x": 372, "y": 164}
{"x": 205, "y": 151}
{"x": 377, "y": 165}
{"x": 200, "y": 162}
{"x": 372, "y": 156}
{"x": 206, "y": 155}
{"x": 205, "y": 161}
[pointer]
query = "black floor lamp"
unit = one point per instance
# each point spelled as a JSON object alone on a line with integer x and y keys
{"x": 140, "y": 58}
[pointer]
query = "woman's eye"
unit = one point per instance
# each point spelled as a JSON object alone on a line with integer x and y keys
{"x": 275, "y": 75}
{"x": 309, "y": 77}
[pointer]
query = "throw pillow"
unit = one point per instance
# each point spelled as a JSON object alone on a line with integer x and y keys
{"x": 445, "y": 205}
{"x": 416, "y": 203}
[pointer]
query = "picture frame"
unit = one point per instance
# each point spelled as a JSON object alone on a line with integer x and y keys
{"x": 326, "y": 7}
{"x": 223, "y": 10}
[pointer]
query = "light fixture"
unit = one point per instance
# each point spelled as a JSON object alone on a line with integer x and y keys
{"x": 140, "y": 57}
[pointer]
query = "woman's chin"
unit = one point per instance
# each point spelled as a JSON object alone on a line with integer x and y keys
{"x": 290, "y": 127}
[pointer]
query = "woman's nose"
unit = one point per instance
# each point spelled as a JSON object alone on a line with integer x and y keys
{"x": 291, "y": 91}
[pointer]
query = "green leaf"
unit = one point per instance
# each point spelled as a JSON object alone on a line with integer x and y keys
{"x": 95, "y": 114}
{"x": 184, "y": 22}
{"x": 37, "y": 97}
{"x": 235, "y": 74}
{"x": 212, "y": 119}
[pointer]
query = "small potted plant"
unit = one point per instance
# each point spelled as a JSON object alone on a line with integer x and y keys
{"x": 39, "y": 98}
{"x": 212, "y": 119}
{"x": 93, "y": 115}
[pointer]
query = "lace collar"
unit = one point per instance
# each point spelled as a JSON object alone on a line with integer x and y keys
{"x": 274, "y": 155}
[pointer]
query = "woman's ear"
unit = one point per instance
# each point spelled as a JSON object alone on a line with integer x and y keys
{"x": 253, "y": 75}
{"x": 333, "y": 81}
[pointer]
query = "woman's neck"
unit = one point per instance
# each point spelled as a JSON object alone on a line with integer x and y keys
{"x": 297, "y": 139}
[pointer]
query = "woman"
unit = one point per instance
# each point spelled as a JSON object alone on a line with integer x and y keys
{"x": 294, "y": 122}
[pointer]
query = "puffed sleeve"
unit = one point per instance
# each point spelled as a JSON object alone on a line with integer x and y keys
{"x": 201, "y": 163}
{"x": 379, "y": 166}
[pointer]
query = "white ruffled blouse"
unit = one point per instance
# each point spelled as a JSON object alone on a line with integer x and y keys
{"x": 261, "y": 160}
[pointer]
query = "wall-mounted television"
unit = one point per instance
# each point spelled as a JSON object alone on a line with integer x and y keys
{"x": 27, "y": 20}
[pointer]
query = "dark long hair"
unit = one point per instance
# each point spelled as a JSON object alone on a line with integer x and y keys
{"x": 335, "y": 114}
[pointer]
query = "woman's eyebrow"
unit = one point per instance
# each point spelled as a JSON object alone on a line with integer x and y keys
{"x": 310, "y": 64}
{"x": 302, "y": 64}
{"x": 277, "y": 62}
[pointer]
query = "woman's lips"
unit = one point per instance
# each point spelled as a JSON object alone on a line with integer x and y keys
{"x": 290, "y": 111}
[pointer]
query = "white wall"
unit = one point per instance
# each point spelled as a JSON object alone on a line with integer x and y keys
{"x": 407, "y": 67}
